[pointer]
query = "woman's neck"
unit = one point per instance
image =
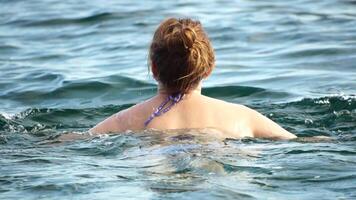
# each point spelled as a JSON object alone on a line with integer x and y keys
{"x": 162, "y": 91}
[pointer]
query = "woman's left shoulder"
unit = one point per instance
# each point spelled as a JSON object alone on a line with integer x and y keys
{"x": 227, "y": 106}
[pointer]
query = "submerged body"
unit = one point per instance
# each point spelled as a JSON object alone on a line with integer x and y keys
{"x": 195, "y": 111}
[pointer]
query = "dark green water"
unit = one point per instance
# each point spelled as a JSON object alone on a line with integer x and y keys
{"x": 66, "y": 65}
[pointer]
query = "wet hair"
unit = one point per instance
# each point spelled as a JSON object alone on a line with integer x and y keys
{"x": 182, "y": 54}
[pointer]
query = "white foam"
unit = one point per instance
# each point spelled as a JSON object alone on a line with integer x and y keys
{"x": 7, "y": 115}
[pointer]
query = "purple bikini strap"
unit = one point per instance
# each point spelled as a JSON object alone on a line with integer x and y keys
{"x": 175, "y": 98}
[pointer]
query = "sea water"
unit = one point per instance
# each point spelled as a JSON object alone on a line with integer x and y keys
{"x": 66, "y": 65}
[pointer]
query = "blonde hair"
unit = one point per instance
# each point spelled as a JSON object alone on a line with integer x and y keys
{"x": 182, "y": 54}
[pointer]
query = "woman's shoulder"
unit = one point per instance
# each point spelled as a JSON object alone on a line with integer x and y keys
{"x": 227, "y": 106}
{"x": 260, "y": 125}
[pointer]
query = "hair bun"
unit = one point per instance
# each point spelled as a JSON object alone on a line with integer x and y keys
{"x": 181, "y": 54}
{"x": 188, "y": 37}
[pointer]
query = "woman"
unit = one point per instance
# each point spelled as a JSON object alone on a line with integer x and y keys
{"x": 181, "y": 56}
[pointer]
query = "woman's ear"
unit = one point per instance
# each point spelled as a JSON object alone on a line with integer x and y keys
{"x": 207, "y": 74}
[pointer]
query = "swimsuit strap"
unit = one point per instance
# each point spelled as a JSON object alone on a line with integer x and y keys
{"x": 174, "y": 98}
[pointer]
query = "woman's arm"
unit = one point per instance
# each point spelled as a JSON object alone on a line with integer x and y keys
{"x": 265, "y": 128}
{"x": 105, "y": 126}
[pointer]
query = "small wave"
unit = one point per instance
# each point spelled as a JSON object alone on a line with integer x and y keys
{"x": 67, "y": 21}
{"x": 35, "y": 160}
{"x": 7, "y": 47}
{"x": 329, "y": 116}
{"x": 106, "y": 146}
{"x": 53, "y": 187}
{"x": 332, "y": 103}
{"x": 42, "y": 76}
{"x": 44, "y": 121}
{"x": 314, "y": 52}
{"x": 332, "y": 179}
{"x": 341, "y": 152}
{"x": 236, "y": 91}
{"x": 112, "y": 89}
{"x": 254, "y": 169}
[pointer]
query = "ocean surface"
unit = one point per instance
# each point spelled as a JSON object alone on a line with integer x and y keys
{"x": 65, "y": 65}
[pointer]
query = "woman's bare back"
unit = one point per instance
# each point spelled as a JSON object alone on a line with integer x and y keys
{"x": 195, "y": 111}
